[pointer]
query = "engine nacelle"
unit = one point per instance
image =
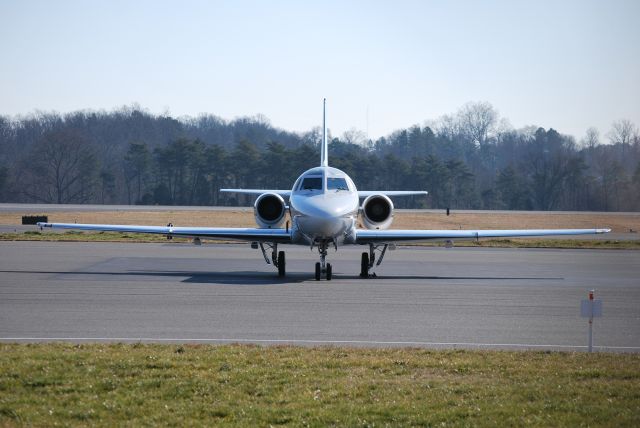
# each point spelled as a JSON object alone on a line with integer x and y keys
{"x": 377, "y": 212}
{"x": 269, "y": 211}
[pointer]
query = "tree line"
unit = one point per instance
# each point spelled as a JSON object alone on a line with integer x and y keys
{"x": 472, "y": 159}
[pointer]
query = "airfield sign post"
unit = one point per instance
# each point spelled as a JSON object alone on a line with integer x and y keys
{"x": 591, "y": 308}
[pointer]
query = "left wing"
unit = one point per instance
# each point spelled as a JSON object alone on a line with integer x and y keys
{"x": 385, "y": 236}
{"x": 365, "y": 193}
{"x": 235, "y": 233}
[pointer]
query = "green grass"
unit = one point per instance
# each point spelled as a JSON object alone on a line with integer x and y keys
{"x": 79, "y": 236}
{"x": 182, "y": 385}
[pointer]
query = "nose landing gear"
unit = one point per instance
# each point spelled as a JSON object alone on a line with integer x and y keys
{"x": 322, "y": 267}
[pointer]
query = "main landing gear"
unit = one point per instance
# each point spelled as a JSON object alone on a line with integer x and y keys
{"x": 368, "y": 259}
{"x": 322, "y": 267}
{"x": 277, "y": 257}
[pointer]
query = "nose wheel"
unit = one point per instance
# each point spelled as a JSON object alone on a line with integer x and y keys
{"x": 328, "y": 271}
{"x": 322, "y": 267}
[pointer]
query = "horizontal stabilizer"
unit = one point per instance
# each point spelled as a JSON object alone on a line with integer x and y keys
{"x": 257, "y": 191}
{"x": 365, "y": 193}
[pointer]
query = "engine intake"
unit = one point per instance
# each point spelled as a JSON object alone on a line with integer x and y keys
{"x": 269, "y": 210}
{"x": 377, "y": 212}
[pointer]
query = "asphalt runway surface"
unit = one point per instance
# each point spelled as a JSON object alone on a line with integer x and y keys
{"x": 424, "y": 297}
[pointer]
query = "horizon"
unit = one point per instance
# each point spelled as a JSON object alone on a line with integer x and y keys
{"x": 430, "y": 122}
{"x": 567, "y": 66}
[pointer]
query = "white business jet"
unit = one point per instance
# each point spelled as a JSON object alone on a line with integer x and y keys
{"x": 324, "y": 205}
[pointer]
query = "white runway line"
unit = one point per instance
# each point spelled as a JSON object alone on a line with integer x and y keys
{"x": 310, "y": 341}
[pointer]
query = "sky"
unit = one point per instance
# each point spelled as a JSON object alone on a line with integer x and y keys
{"x": 382, "y": 65}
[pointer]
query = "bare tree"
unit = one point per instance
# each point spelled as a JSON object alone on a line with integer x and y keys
{"x": 622, "y": 132}
{"x": 590, "y": 141}
{"x": 478, "y": 121}
{"x": 62, "y": 169}
{"x": 354, "y": 136}
{"x": 448, "y": 127}
{"x": 591, "y": 138}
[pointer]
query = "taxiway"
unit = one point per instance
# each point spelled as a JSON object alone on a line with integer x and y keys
{"x": 434, "y": 297}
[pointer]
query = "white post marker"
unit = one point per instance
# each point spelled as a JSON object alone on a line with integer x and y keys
{"x": 591, "y": 309}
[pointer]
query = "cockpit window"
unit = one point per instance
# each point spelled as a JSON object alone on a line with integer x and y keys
{"x": 337, "y": 183}
{"x": 311, "y": 183}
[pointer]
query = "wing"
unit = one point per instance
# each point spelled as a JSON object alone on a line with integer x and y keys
{"x": 381, "y": 236}
{"x": 365, "y": 193}
{"x": 283, "y": 193}
{"x": 235, "y": 233}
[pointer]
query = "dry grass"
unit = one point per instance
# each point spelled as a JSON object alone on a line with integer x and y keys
{"x": 243, "y": 217}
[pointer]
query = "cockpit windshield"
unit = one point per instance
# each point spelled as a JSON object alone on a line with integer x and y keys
{"x": 337, "y": 183}
{"x": 311, "y": 183}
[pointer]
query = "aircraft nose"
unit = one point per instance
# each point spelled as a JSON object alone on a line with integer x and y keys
{"x": 318, "y": 209}
{"x": 317, "y": 218}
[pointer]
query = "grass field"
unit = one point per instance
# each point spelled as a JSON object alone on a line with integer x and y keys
{"x": 243, "y": 217}
{"x": 182, "y": 385}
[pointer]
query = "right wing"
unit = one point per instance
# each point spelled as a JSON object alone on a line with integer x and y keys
{"x": 387, "y": 236}
{"x": 235, "y": 233}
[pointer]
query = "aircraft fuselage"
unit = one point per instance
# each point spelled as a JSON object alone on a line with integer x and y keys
{"x": 324, "y": 206}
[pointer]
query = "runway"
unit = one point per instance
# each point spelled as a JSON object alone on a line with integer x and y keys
{"x": 426, "y": 297}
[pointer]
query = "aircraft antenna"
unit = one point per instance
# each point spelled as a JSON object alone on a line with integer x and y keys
{"x": 324, "y": 151}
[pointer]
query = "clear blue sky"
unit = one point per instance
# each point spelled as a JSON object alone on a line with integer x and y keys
{"x": 562, "y": 64}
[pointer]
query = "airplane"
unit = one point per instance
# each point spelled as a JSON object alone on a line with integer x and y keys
{"x": 324, "y": 207}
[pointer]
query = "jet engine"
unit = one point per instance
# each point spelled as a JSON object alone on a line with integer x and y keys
{"x": 269, "y": 210}
{"x": 377, "y": 212}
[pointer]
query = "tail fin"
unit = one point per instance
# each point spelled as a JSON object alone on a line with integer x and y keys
{"x": 324, "y": 151}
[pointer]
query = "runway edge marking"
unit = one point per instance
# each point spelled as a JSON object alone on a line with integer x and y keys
{"x": 310, "y": 341}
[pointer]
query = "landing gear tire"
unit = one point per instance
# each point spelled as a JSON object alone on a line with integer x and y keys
{"x": 329, "y": 272}
{"x": 318, "y": 271}
{"x": 281, "y": 264}
{"x": 364, "y": 265}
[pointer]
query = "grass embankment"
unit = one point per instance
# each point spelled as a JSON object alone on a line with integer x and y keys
{"x": 113, "y": 385}
{"x": 76, "y": 236}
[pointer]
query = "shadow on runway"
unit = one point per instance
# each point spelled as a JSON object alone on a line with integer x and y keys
{"x": 480, "y": 278}
{"x": 248, "y": 278}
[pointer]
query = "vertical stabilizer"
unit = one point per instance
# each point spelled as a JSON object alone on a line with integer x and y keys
{"x": 324, "y": 151}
